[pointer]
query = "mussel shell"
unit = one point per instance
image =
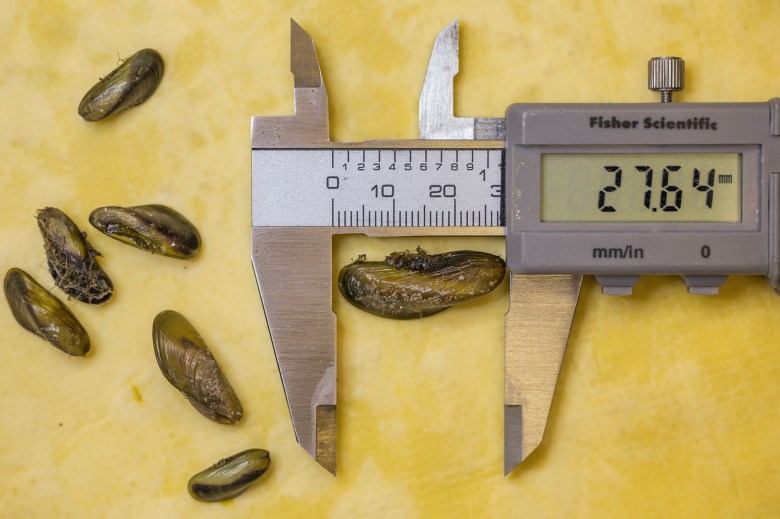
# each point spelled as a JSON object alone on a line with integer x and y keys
{"x": 155, "y": 228}
{"x": 43, "y": 314}
{"x": 128, "y": 85}
{"x": 411, "y": 285}
{"x": 72, "y": 260}
{"x": 187, "y": 363}
{"x": 230, "y": 476}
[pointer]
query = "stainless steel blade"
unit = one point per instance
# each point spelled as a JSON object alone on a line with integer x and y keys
{"x": 437, "y": 113}
{"x": 541, "y": 310}
{"x": 309, "y": 124}
{"x": 292, "y": 266}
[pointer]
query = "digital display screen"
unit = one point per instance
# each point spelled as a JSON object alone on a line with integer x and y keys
{"x": 641, "y": 187}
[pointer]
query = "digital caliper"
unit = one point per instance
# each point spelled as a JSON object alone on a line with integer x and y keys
{"x": 612, "y": 190}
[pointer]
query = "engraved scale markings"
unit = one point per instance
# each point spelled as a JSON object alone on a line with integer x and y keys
{"x": 377, "y": 187}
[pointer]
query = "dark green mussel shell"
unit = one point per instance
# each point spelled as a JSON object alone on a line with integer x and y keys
{"x": 72, "y": 260}
{"x": 187, "y": 363}
{"x": 409, "y": 285}
{"x": 230, "y": 477}
{"x": 128, "y": 85}
{"x": 154, "y": 228}
{"x": 43, "y": 314}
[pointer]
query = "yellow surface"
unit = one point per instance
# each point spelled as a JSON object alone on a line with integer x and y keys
{"x": 667, "y": 404}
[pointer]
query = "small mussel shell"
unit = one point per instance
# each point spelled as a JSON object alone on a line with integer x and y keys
{"x": 230, "y": 476}
{"x": 128, "y": 85}
{"x": 155, "y": 228}
{"x": 40, "y": 312}
{"x": 72, "y": 260}
{"x": 189, "y": 366}
{"x": 409, "y": 285}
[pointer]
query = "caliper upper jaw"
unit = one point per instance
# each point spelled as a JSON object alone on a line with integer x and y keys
{"x": 437, "y": 100}
{"x": 293, "y": 271}
{"x": 309, "y": 125}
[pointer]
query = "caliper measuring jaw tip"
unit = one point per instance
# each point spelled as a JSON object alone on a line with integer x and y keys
{"x": 293, "y": 227}
{"x": 437, "y": 100}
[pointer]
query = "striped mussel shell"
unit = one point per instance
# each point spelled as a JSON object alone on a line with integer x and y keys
{"x": 40, "y": 312}
{"x": 409, "y": 285}
{"x": 130, "y": 84}
{"x": 229, "y": 477}
{"x": 154, "y": 228}
{"x": 72, "y": 259}
{"x": 188, "y": 364}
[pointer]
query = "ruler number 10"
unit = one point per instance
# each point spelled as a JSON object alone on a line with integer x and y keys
{"x": 384, "y": 191}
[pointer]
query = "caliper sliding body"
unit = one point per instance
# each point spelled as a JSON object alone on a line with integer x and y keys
{"x": 614, "y": 190}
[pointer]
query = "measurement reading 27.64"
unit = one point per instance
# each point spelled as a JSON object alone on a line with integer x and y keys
{"x": 642, "y": 187}
{"x": 667, "y": 196}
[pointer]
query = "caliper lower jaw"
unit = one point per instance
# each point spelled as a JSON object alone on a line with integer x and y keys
{"x": 537, "y": 325}
{"x": 293, "y": 269}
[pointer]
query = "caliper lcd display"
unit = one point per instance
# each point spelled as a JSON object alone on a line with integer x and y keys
{"x": 641, "y": 187}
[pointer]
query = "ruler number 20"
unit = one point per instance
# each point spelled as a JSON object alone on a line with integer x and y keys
{"x": 441, "y": 190}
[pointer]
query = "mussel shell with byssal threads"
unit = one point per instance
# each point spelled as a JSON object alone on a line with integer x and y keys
{"x": 72, "y": 260}
{"x": 410, "y": 285}
{"x": 128, "y": 85}
{"x": 229, "y": 477}
{"x": 187, "y": 363}
{"x": 155, "y": 228}
{"x": 43, "y": 314}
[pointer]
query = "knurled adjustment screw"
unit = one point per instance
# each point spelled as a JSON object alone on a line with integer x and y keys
{"x": 666, "y": 74}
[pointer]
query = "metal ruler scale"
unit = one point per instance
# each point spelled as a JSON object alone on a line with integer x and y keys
{"x": 412, "y": 187}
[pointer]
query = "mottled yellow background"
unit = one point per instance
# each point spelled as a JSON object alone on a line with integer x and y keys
{"x": 667, "y": 404}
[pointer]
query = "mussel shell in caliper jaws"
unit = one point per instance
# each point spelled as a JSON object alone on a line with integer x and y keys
{"x": 409, "y": 285}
